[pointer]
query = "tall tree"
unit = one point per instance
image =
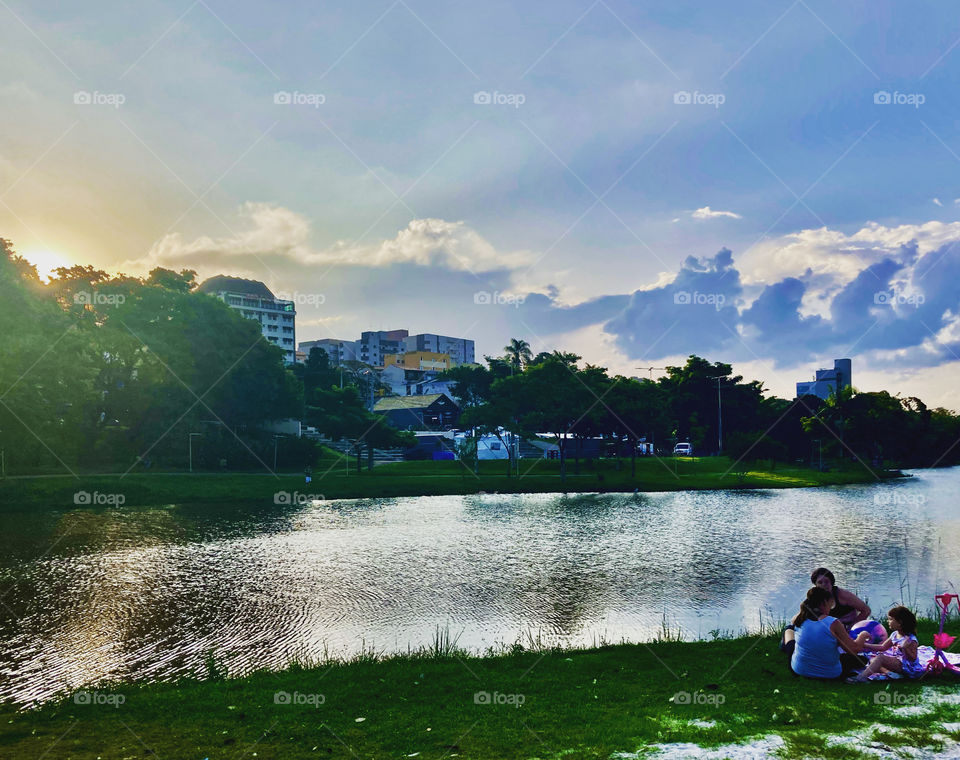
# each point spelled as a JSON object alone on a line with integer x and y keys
{"x": 518, "y": 353}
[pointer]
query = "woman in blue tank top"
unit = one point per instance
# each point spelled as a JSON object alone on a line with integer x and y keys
{"x": 818, "y": 633}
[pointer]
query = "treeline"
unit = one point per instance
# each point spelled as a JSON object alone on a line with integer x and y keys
{"x": 117, "y": 372}
{"x": 113, "y": 373}
{"x": 550, "y": 393}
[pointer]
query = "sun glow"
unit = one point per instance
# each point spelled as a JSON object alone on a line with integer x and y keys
{"x": 46, "y": 261}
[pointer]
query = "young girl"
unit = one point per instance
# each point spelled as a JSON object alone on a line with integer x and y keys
{"x": 901, "y": 647}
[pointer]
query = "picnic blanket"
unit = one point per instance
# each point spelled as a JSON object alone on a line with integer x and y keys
{"x": 924, "y": 654}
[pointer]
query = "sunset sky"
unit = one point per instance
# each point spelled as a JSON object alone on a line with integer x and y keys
{"x": 771, "y": 184}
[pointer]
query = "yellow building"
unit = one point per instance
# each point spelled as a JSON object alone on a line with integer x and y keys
{"x": 418, "y": 360}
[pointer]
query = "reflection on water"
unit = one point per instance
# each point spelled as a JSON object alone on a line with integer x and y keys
{"x": 87, "y": 596}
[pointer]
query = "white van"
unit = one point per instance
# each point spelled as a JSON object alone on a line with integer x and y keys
{"x": 683, "y": 450}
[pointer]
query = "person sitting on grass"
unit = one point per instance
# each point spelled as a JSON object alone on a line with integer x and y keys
{"x": 812, "y": 643}
{"x": 850, "y": 608}
{"x": 901, "y": 645}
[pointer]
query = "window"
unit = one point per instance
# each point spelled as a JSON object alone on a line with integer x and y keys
{"x": 495, "y": 446}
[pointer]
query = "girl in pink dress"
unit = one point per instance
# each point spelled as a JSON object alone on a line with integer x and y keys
{"x": 898, "y": 654}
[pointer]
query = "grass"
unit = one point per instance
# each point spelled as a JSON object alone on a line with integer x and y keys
{"x": 514, "y": 703}
{"x": 333, "y": 480}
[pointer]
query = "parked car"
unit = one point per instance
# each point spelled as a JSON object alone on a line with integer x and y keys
{"x": 683, "y": 450}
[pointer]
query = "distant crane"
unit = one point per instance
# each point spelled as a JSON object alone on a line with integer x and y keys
{"x": 651, "y": 369}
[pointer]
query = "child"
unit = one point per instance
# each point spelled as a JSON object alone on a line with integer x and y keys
{"x": 901, "y": 645}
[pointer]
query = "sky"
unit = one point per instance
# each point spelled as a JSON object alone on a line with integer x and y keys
{"x": 773, "y": 185}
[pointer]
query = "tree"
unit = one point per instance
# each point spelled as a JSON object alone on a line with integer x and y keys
{"x": 637, "y": 410}
{"x": 340, "y": 413}
{"x": 518, "y": 353}
{"x": 548, "y": 398}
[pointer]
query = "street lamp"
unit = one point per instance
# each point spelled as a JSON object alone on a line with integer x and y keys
{"x": 370, "y": 382}
{"x": 276, "y": 440}
{"x": 190, "y": 438}
{"x": 718, "y": 378}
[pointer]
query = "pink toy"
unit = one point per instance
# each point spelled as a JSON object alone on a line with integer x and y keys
{"x": 942, "y": 640}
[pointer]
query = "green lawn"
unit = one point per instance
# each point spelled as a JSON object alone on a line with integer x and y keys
{"x": 332, "y": 479}
{"x": 519, "y": 704}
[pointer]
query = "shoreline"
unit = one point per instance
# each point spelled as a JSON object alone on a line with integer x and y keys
{"x": 577, "y": 703}
{"x": 410, "y": 479}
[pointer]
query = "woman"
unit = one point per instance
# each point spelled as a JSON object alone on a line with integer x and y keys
{"x": 849, "y": 608}
{"x": 812, "y": 643}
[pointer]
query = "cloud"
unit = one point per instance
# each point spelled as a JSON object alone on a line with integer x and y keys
{"x": 708, "y": 213}
{"x": 275, "y": 237}
{"x": 883, "y": 298}
{"x": 937, "y": 201}
{"x": 698, "y": 307}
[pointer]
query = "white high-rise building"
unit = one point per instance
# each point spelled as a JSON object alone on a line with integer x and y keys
{"x": 254, "y": 300}
{"x": 338, "y": 351}
{"x": 461, "y": 350}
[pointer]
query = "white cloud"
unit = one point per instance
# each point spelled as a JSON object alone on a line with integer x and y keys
{"x": 937, "y": 201}
{"x": 828, "y": 259}
{"x": 276, "y": 237}
{"x": 708, "y": 213}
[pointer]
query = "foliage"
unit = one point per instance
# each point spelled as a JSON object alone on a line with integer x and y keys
{"x": 101, "y": 371}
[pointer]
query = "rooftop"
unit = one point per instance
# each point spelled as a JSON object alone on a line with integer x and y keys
{"x": 391, "y": 403}
{"x": 222, "y": 283}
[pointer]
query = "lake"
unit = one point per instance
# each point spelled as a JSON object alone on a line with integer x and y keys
{"x": 89, "y": 595}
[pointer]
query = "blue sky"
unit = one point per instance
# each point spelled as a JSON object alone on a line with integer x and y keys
{"x": 587, "y": 202}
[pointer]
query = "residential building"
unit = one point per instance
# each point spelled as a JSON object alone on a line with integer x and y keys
{"x": 401, "y": 380}
{"x": 338, "y": 351}
{"x": 376, "y": 344}
{"x": 254, "y": 300}
{"x": 828, "y": 381}
{"x": 419, "y": 360}
{"x": 461, "y": 350}
{"x": 415, "y": 382}
{"x": 434, "y": 411}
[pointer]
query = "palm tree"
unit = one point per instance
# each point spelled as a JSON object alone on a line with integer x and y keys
{"x": 518, "y": 353}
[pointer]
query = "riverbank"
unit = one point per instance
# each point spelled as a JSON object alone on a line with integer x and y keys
{"x": 592, "y": 703}
{"x": 333, "y": 480}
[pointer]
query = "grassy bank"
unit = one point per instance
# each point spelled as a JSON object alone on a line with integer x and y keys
{"x": 520, "y": 704}
{"x": 332, "y": 480}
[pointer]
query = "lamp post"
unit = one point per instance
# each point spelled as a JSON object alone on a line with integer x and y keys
{"x": 718, "y": 378}
{"x": 276, "y": 439}
{"x": 370, "y": 383}
{"x": 190, "y": 439}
